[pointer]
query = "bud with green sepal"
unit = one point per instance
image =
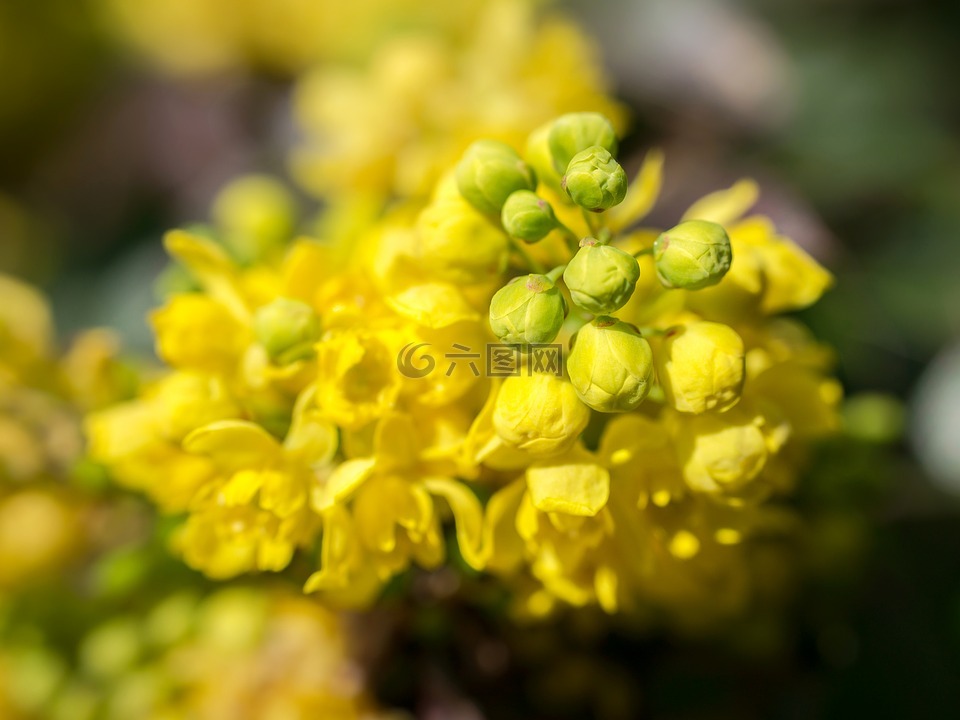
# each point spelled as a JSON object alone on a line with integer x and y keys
{"x": 489, "y": 172}
{"x": 528, "y": 310}
{"x": 610, "y": 365}
{"x": 693, "y": 255}
{"x": 527, "y": 217}
{"x": 572, "y": 133}
{"x": 594, "y": 180}
{"x": 287, "y": 329}
{"x": 601, "y": 278}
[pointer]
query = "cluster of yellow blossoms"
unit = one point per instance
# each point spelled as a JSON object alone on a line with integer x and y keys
{"x": 242, "y": 652}
{"x": 306, "y": 407}
{"x": 42, "y": 397}
{"x": 190, "y": 37}
{"x": 235, "y": 653}
{"x": 392, "y": 126}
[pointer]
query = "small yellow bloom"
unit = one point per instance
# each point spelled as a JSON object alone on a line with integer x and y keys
{"x": 721, "y": 453}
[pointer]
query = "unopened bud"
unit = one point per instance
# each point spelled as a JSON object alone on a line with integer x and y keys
{"x": 594, "y": 180}
{"x": 287, "y": 329}
{"x": 701, "y": 367}
{"x": 610, "y": 365}
{"x": 529, "y": 310}
{"x": 539, "y": 413}
{"x": 527, "y": 217}
{"x": 489, "y": 172}
{"x": 601, "y": 278}
{"x": 693, "y": 255}
{"x": 575, "y": 132}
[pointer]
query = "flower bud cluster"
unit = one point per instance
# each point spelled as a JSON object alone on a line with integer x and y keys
{"x": 307, "y": 409}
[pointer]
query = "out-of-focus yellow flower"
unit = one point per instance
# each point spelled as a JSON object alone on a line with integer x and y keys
{"x": 391, "y": 128}
{"x": 190, "y": 37}
{"x": 238, "y": 652}
{"x": 42, "y": 394}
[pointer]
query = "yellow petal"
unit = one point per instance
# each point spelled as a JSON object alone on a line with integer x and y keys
{"x": 725, "y": 206}
{"x": 234, "y": 444}
{"x": 468, "y": 515}
{"x": 503, "y": 545}
{"x": 346, "y": 478}
{"x": 311, "y": 438}
{"x": 433, "y": 305}
{"x": 574, "y": 483}
{"x": 396, "y": 443}
{"x": 212, "y": 268}
{"x": 641, "y": 195}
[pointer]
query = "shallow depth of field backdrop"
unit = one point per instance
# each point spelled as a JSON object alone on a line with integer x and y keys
{"x": 116, "y": 127}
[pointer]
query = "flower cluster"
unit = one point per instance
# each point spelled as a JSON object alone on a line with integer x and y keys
{"x": 42, "y": 396}
{"x": 633, "y": 477}
{"x": 393, "y": 126}
{"x": 238, "y": 652}
{"x": 190, "y": 37}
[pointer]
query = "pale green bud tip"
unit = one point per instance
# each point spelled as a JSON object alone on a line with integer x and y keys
{"x": 287, "y": 329}
{"x": 573, "y": 133}
{"x": 693, "y": 255}
{"x": 594, "y": 180}
{"x": 601, "y": 278}
{"x": 489, "y": 172}
{"x": 610, "y": 365}
{"x": 527, "y": 217}
{"x": 528, "y": 310}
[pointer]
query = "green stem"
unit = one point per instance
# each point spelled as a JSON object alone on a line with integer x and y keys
{"x": 573, "y": 241}
{"x": 531, "y": 263}
{"x": 593, "y": 222}
{"x": 655, "y": 332}
{"x": 645, "y": 251}
{"x": 555, "y": 274}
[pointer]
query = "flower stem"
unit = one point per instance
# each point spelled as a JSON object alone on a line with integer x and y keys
{"x": 531, "y": 262}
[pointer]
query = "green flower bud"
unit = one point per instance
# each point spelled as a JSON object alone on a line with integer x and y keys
{"x": 489, "y": 172}
{"x": 287, "y": 329}
{"x": 610, "y": 365}
{"x": 594, "y": 180}
{"x": 693, "y": 255}
{"x": 527, "y": 217}
{"x": 528, "y": 310}
{"x": 575, "y": 132}
{"x": 601, "y": 278}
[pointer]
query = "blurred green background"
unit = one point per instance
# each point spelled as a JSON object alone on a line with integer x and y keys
{"x": 846, "y": 111}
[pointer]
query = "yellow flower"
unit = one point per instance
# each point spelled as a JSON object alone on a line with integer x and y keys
{"x": 254, "y": 511}
{"x": 721, "y": 453}
{"x": 392, "y": 517}
{"x": 394, "y": 126}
